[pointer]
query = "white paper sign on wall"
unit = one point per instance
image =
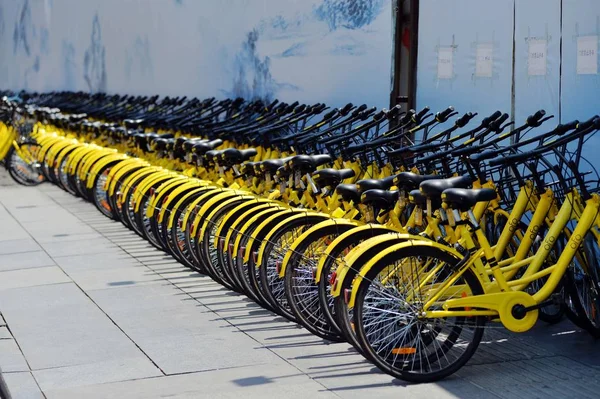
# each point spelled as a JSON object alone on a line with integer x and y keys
{"x": 536, "y": 65}
{"x": 445, "y": 67}
{"x": 587, "y": 55}
{"x": 484, "y": 62}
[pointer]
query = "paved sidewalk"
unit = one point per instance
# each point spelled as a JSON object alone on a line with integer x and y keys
{"x": 90, "y": 310}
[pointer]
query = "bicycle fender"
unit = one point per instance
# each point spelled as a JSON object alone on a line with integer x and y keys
{"x": 395, "y": 248}
{"x": 345, "y": 239}
{"x": 305, "y": 214}
{"x": 324, "y": 225}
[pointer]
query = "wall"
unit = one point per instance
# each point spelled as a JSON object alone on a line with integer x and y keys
{"x": 331, "y": 51}
{"x": 542, "y": 54}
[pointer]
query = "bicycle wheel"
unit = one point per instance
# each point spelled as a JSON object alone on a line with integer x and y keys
{"x": 225, "y": 233}
{"x": 300, "y": 288}
{"x": 361, "y": 253}
{"x": 23, "y": 171}
{"x": 212, "y": 245}
{"x": 387, "y": 315}
{"x": 273, "y": 250}
{"x": 242, "y": 259}
{"x": 100, "y": 192}
{"x": 583, "y": 285}
{"x": 177, "y": 242}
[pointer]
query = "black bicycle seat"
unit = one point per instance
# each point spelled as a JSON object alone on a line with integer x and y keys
{"x": 189, "y": 144}
{"x": 375, "y": 184}
{"x": 205, "y": 146}
{"x": 308, "y": 163}
{"x": 434, "y": 188}
{"x": 161, "y": 144}
{"x": 464, "y": 199}
{"x": 417, "y": 198}
{"x": 380, "y": 199}
{"x": 348, "y": 192}
{"x": 248, "y": 168}
{"x": 330, "y": 177}
{"x": 213, "y": 154}
{"x": 271, "y": 165}
{"x": 235, "y": 156}
{"x": 410, "y": 181}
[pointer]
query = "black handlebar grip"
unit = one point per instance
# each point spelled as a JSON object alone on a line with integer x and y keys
{"x": 442, "y": 116}
{"x": 534, "y": 120}
{"x": 539, "y": 115}
{"x": 379, "y": 115}
{"x": 300, "y": 108}
{"x": 423, "y": 112}
{"x": 486, "y": 121}
{"x": 563, "y": 128}
{"x": 367, "y": 113}
{"x": 347, "y": 108}
{"x": 329, "y": 115}
{"x": 495, "y": 125}
{"x": 362, "y": 107}
{"x": 463, "y": 120}
{"x": 392, "y": 113}
{"x": 587, "y": 124}
{"x": 294, "y": 104}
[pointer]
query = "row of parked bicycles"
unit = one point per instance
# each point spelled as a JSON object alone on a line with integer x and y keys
{"x": 406, "y": 234}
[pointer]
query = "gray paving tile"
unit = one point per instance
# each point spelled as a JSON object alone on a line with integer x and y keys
{"x": 552, "y": 377}
{"x": 25, "y": 260}
{"x": 177, "y": 334}
{"x": 114, "y": 277}
{"x": 68, "y": 237}
{"x": 22, "y": 386}
{"x": 72, "y": 263}
{"x": 269, "y": 381}
{"x": 11, "y": 358}
{"x": 85, "y": 247}
{"x": 96, "y": 373}
{"x": 4, "y": 333}
{"x": 18, "y": 246}
{"x": 57, "y": 325}
{"x": 32, "y": 277}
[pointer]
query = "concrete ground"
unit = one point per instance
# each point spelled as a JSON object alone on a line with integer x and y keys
{"x": 88, "y": 309}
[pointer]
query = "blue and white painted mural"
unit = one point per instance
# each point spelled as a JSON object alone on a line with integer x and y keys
{"x": 332, "y": 51}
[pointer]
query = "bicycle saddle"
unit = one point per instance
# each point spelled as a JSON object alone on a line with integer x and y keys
{"x": 162, "y": 144}
{"x": 464, "y": 199}
{"x": 249, "y": 169}
{"x": 189, "y": 144}
{"x": 308, "y": 163}
{"x": 375, "y": 184}
{"x": 410, "y": 181}
{"x": 348, "y": 192}
{"x": 235, "y": 156}
{"x": 205, "y": 146}
{"x": 271, "y": 165}
{"x": 380, "y": 199}
{"x": 213, "y": 154}
{"x": 434, "y": 188}
{"x": 332, "y": 177}
{"x": 417, "y": 198}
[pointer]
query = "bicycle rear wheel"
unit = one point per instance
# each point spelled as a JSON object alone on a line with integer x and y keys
{"x": 388, "y": 322}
